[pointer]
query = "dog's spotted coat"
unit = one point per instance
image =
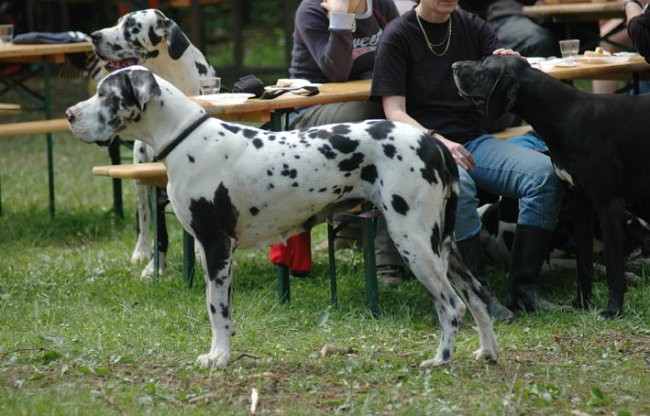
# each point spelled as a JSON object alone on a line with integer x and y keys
{"x": 149, "y": 38}
{"x": 234, "y": 186}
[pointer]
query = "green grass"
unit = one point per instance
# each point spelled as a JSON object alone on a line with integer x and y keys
{"x": 83, "y": 335}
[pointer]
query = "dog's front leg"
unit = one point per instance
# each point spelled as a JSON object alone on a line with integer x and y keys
{"x": 583, "y": 231}
{"x": 217, "y": 257}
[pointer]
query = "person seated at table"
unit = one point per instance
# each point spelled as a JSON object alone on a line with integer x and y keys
{"x": 414, "y": 81}
{"x": 334, "y": 41}
{"x": 531, "y": 36}
{"x": 515, "y": 30}
{"x": 638, "y": 25}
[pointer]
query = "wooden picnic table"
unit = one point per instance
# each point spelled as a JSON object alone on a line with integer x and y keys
{"x": 45, "y": 55}
{"x": 576, "y": 11}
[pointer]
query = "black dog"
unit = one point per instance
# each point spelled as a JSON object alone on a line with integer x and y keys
{"x": 599, "y": 146}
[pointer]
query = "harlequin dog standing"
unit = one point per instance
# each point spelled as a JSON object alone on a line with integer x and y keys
{"x": 149, "y": 38}
{"x": 230, "y": 185}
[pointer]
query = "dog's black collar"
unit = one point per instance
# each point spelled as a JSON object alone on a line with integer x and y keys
{"x": 167, "y": 150}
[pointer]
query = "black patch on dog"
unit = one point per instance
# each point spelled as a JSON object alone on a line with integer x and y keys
{"x": 254, "y": 210}
{"x": 389, "y": 150}
{"x": 435, "y": 239}
{"x": 213, "y": 310}
{"x": 214, "y": 223}
{"x": 400, "y": 205}
{"x": 231, "y": 128}
{"x": 177, "y": 42}
{"x": 352, "y": 163}
{"x": 369, "y": 173}
{"x": 224, "y": 310}
{"x": 258, "y": 143}
{"x": 291, "y": 173}
{"x": 202, "y": 69}
{"x": 429, "y": 153}
{"x": 341, "y": 129}
{"x": 381, "y": 129}
{"x": 327, "y": 151}
{"x": 343, "y": 143}
{"x": 190, "y": 158}
{"x": 153, "y": 36}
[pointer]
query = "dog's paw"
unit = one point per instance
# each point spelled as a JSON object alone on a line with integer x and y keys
{"x": 434, "y": 362}
{"x": 213, "y": 360}
{"x": 149, "y": 270}
{"x": 485, "y": 354}
{"x": 140, "y": 255}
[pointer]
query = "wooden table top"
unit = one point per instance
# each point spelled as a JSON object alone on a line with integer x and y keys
{"x": 619, "y": 70}
{"x": 577, "y": 11}
{"x": 11, "y": 52}
{"x": 250, "y": 110}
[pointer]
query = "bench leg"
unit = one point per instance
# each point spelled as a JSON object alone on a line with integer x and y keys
{"x": 372, "y": 290}
{"x": 114, "y": 154}
{"x": 284, "y": 289}
{"x": 332, "y": 260}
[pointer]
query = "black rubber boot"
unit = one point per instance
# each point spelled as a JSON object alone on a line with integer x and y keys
{"x": 472, "y": 252}
{"x": 529, "y": 250}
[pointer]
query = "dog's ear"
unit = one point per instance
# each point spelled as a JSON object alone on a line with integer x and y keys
{"x": 177, "y": 42}
{"x": 143, "y": 85}
{"x": 502, "y": 96}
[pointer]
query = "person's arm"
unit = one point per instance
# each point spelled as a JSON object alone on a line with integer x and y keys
{"x": 395, "y": 110}
{"x": 638, "y": 26}
{"x": 331, "y": 48}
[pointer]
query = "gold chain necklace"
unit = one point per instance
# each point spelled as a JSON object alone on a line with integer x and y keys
{"x": 431, "y": 46}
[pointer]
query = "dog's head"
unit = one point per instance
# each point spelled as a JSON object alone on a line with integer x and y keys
{"x": 120, "y": 99}
{"x": 493, "y": 82}
{"x": 137, "y": 37}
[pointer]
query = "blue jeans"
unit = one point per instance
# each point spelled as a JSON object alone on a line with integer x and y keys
{"x": 514, "y": 171}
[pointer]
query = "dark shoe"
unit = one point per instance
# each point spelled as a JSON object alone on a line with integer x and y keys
{"x": 498, "y": 312}
{"x": 472, "y": 252}
{"x": 390, "y": 275}
{"x": 528, "y": 299}
{"x": 529, "y": 250}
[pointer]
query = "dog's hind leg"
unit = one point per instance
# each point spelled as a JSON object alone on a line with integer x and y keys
{"x": 612, "y": 225}
{"x": 476, "y": 297}
{"x": 431, "y": 270}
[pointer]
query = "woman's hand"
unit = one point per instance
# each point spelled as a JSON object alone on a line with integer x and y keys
{"x": 461, "y": 155}
{"x": 502, "y": 51}
{"x": 336, "y": 6}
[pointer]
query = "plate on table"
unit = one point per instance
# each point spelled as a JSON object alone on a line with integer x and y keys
{"x": 606, "y": 59}
{"x": 225, "y": 98}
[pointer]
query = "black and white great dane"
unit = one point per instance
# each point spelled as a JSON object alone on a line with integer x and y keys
{"x": 231, "y": 185}
{"x": 598, "y": 144}
{"x": 149, "y": 38}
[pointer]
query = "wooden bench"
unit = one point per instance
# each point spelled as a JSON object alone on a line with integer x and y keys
{"x": 58, "y": 125}
{"x": 9, "y": 109}
{"x": 512, "y": 132}
{"x": 34, "y": 127}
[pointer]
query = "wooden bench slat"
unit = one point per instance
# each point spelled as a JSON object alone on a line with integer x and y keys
{"x": 152, "y": 174}
{"x": 512, "y": 132}
{"x": 33, "y": 127}
{"x": 9, "y": 109}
